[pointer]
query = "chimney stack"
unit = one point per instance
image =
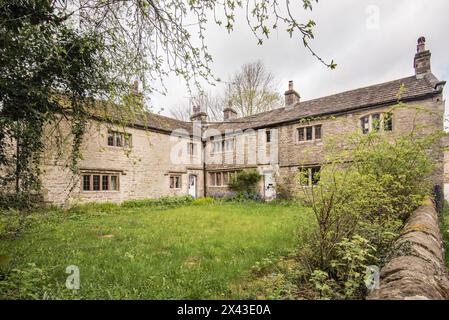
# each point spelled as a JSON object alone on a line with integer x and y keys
{"x": 291, "y": 97}
{"x": 229, "y": 112}
{"x": 422, "y": 59}
{"x": 198, "y": 114}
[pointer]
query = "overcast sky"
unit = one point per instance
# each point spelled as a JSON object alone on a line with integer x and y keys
{"x": 366, "y": 53}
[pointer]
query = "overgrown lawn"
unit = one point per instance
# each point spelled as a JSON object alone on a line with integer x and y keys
{"x": 189, "y": 252}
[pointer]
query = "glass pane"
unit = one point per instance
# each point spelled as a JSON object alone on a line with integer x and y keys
{"x": 301, "y": 134}
{"x": 96, "y": 183}
{"x": 268, "y": 136}
{"x": 376, "y": 121}
{"x": 110, "y": 139}
{"x": 114, "y": 183}
{"x": 86, "y": 183}
{"x": 218, "y": 179}
{"x": 364, "y": 122}
{"x": 315, "y": 175}
{"x": 317, "y": 132}
{"x": 105, "y": 183}
{"x": 309, "y": 131}
{"x": 388, "y": 122}
{"x": 128, "y": 140}
{"x": 177, "y": 182}
{"x": 225, "y": 178}
{"x": 118, "y": 139}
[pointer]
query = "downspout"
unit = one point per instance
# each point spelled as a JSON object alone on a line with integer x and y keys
{"x": 204, "y": 170}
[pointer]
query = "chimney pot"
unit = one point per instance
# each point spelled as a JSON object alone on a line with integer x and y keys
{"x": 422, "y": 59}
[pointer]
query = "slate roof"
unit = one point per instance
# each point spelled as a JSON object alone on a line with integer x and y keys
{"x": 380, "y": 94}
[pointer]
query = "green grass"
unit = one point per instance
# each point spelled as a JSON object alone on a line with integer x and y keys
{"x": 189, "y": 252}
{"x": 445, "y": 231}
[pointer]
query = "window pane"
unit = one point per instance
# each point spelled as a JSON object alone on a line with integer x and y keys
{"x": 105, "y": 183}
{"x": 364, "y": 122}
{"x": 172, "y": 182}
{"x": 225, "y": 178}
{"x": 304, "y": 176}
{"x": 218, "y": 178}
{"x": 110, "y": 139}
{"x": 309, "y": 131}
{"x": 318, "y": 132}
{"x": 96, "y": 183}
{"x": 268, "y": 136}
{"x": 128, "y": 140}
{"x": 114, "y": 183}
{"x": 301, "y": 134}
{"x": 376, "y": 121}
{"x": 118, "y": 139}
{"x": 86, "y": 183}
{"x": 388, "y": 122}
{"x": 177, "y": 182}
{"x": 315, "y": 175}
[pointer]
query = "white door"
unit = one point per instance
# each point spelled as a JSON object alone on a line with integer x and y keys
{"x": 192, "y": 185}
{"x": 269, "y": 186}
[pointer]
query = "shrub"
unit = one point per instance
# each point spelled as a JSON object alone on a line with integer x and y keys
{"x": 163, "y": 202}
{"x": 361, "y": 205}
{"x": 245, "y": 182}
{"x": 203, "y": 201}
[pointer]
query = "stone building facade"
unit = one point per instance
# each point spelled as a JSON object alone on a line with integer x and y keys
{"x": 164, "y": 157}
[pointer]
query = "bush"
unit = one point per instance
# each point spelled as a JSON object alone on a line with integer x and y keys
{"x": 164, "y": 202}
{"x": 203, "y": 201}
{"x": 21, "y": 201}
{"x": 245, "y": 182}
{"x": 361, "y": 206}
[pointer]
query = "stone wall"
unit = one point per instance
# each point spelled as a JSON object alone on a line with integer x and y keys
{"x": 144, "y": 170}
{"x": 417, "y": 270}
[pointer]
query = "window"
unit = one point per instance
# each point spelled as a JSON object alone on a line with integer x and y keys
{"x": 217, "y": 147}
{"x": 388, "y": 122}
{"x": 119, "y": 139}
{"x": 229, "y": 145}
{"x": 364, "y": 122}
{"x": 310, "y": 133}
{"x": 301, "y": 134}
{"x": 86, "y": 183}
{"x": 309, "y": 176}
{"x": 96, "y": 183}
{"x": 175, "y": 182}
{"x": 192, "y": 149}
{"x": 377, "y": 122}
{"x": 318, "y": 132}
{"x": 100, "y": 182}
{"x": 221, "y": 179}
{"x": 105, "y": 183}
{"x": 268, "y": 134}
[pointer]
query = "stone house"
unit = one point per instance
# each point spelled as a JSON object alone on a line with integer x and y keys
{"x": 165, "y": 157}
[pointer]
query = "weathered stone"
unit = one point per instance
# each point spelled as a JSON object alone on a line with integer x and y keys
{"x": 419, "y": 273}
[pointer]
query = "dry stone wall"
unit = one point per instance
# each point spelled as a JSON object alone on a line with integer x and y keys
{"x": 417, "y": 270}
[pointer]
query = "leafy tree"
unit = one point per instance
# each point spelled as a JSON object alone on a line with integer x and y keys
{"x": 47, "y": 71}
{"x": 57, "y": 57}
{"x": 245, "y": 182}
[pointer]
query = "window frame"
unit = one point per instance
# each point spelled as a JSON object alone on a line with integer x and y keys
{"x": 311, "y": 176}
{"x": 385, "y": 122}
{"x": 175, "y": 178}
{"x": 101, "y": 185}
{"x": 303, "y": 133}
{"x": 115, "y": 136}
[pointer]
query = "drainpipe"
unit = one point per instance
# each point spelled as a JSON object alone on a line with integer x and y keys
{"x": 204, "y": 170}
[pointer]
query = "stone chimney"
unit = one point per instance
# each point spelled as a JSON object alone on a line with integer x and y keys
{"x": 422, "y": 59}
{"x": 198, "y": 114}
{"x": 229, "y": 113}
{"x": 291, "y": 97}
